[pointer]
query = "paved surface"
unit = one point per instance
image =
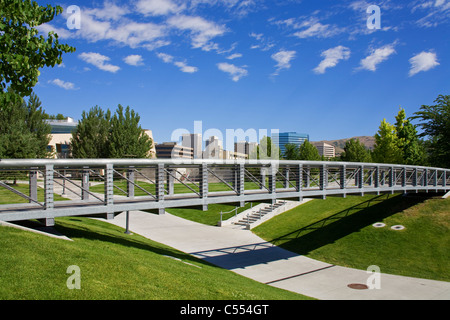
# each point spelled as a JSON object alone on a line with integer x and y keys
{"x": 244, "y": 253}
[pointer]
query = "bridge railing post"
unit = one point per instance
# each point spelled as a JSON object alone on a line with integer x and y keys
{"x": 272, "y": 178}
{"x": 33, "y": 184}
{"x": 85, "y": 183}
{"x": 130, "y": 185}
{"x": 323, "y": 179}
{"x": 204, "y": 184}
{"x": 48, "y": 194}
{"x": 109, "y": 190}
{"x": 299, "y": 181}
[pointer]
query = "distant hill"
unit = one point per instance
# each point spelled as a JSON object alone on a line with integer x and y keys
{"x": 367, "y": 141}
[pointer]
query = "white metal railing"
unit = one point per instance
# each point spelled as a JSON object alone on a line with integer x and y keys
{"x": 155, "y": 184}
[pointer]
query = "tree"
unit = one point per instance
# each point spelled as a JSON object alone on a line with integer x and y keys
{"x": 291, "y": 152}
{"x": 127, "y": 139}
{"x": 23, "y": 130}
{"x": 308, "y": 151}
{"x": 90, "y": 138}
{"x": 266, "y": 149}
{"x": 355, "y": 151}
{"x": 387, "y": 148}
{"x": 435, "y": 123}
{"x": 412, "y": 149}
{"x": 22, "y": 51}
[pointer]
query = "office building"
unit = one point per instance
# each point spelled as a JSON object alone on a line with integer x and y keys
{"x": 283, "y": 138}
{"x": 326, "y": 150}
{"x": 213, "y": 148}
{"x": 171, "y": 150}
{"x": 245, "y": 147}
{"x": 193, "y": 141}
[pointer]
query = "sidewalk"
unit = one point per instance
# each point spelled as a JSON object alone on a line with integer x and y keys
{"x": 244, "y": 253}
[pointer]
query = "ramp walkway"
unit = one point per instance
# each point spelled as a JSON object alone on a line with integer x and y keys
{"x": 243, "y": 252}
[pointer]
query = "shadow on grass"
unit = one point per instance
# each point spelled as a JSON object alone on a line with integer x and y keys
{"x": 345, "y": 222}
{"x": 82, "y": 229}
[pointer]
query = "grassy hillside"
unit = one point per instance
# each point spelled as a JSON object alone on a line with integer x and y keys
{"x": 340, "y": 231}
{"x": 113, "y": 265}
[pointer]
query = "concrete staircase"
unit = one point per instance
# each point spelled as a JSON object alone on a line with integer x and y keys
{"x": 250, "y": 218}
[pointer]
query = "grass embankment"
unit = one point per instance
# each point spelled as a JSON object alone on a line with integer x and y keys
{"x": 113, "y": 265}
{"x": 340, "y": 231}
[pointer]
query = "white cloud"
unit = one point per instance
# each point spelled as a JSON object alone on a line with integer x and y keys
{"x": 235, "y": 72}
{"x": 376, "y": 57}
{"x": 63, "y": 84}
{"x": 332, "y": 57}
{"x": 234, "y": 56}
{"x": 283, "y": 59}
{"x": 423, "y": 61}
{"x": 185, "y": 68}
{"x": 158, "y": 7}
{"x": 134, "y": 60}
{"x": 167, "y": 58}
{"x": 98, "y": 60}
{"x": 202, "y": 31}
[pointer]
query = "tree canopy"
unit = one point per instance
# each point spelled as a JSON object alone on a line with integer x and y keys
{"x": 100, "y": 134}
{"x": 22, "y": 51}
{"x": 355, "y": 151}
{"x": 435, "y": 123}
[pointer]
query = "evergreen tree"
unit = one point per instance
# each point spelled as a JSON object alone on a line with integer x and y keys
{"x": 127, "y": 139}
{"x": 23, "y": 130}
{"x": 291, "y": 152}
{"x": 387, "y": 148}
{"x": 90, "y": 138}
{"x": 308, "y": 151}
{"x": 412, "y": 149}
{"x": 435, "y": 123}
{"x": 355, "y": 151}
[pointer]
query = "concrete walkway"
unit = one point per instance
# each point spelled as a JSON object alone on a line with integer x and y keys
{"x": 244, "y": 253}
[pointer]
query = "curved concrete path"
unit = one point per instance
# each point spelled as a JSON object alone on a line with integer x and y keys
{"x": 243, "y": 252}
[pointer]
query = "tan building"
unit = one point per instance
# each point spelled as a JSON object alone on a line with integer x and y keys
{"x": 326, "y": 150}
{"x": 61, "y": 134}
{"x": 171, "y": 150}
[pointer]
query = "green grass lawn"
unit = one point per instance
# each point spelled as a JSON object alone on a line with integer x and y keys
{"x": 340, "y": 231}
{"x": 7, "y": 196}
{"x": 211, "y": 216}
{"x": 114, "y": 265}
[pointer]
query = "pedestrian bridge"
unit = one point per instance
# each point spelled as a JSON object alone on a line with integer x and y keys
{"x": 109, "y": 186}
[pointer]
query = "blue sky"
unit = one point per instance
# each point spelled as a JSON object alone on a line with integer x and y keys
{"x": 308, "y": 66}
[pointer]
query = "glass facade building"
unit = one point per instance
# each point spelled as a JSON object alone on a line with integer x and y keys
{"x": 283, "y": 138}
